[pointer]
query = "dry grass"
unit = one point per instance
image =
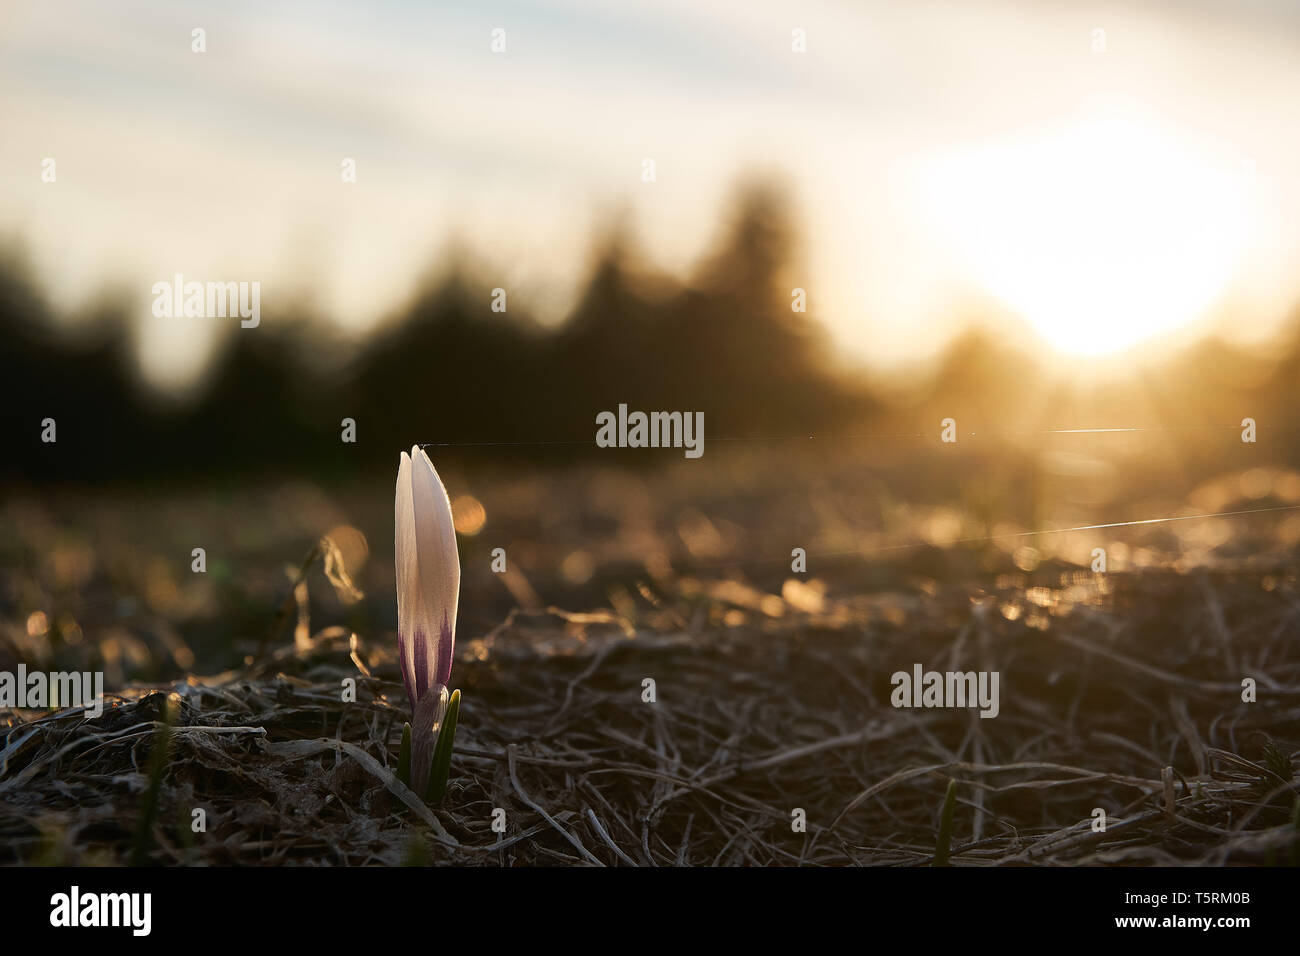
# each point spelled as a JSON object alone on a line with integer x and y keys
{"x": 1122, "y": 693}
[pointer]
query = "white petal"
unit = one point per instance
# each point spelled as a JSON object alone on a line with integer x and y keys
{"x": 439, "y": 563}
{"x": 407, "y": 565}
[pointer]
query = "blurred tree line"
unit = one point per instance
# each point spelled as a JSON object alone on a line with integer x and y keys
{"x": 449, "y": 369}
{"x": 724, "y": 341}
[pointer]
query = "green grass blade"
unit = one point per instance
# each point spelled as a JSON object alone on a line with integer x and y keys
{"x": 944, "y": 843}
{"x": 442, "y": 752}
{"x": 158, "y": 758}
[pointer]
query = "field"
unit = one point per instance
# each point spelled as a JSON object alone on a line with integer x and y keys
{"x": 772, "y": 736}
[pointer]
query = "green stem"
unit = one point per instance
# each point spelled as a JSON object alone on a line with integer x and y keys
{"x": 404, "y": 755}
{"x": 441, "y": 765}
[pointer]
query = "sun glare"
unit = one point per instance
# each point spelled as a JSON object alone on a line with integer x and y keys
{"x": 1102, "y": 232}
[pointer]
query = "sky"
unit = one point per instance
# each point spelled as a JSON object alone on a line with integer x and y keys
{"x": 944, "y": 158}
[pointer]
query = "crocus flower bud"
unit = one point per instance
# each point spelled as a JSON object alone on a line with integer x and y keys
{"x": 428, "y": 589}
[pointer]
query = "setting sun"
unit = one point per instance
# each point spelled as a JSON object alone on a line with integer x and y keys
{"x": 1103, "y": 231}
